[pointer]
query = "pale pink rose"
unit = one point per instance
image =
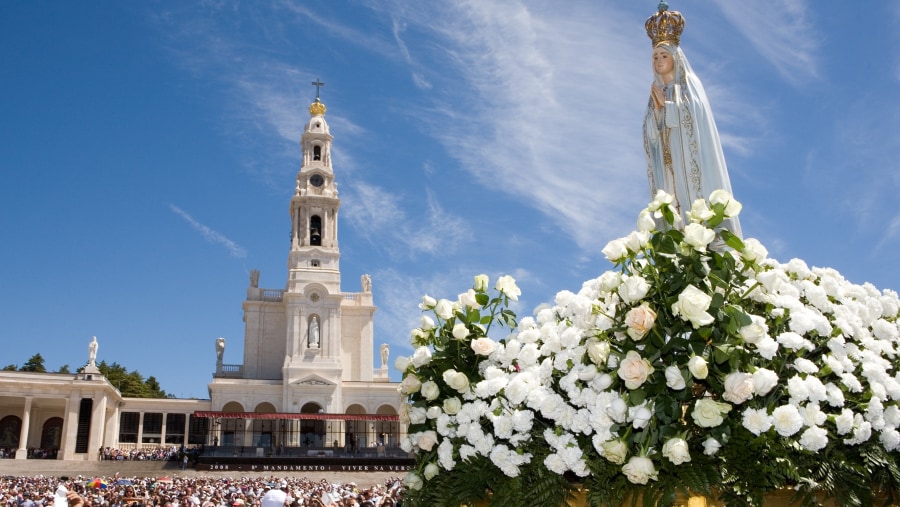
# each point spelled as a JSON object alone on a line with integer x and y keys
{"x": 639, "y": 321}
{"x": 634, "y": 369}
{"x": 483, "y": 346}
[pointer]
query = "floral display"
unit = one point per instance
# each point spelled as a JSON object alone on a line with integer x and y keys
{"x": 696, "y": 365}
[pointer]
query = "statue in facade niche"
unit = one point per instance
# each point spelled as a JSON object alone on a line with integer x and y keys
{"x": 314, "y": 332}
{"x": 684, "y": 153}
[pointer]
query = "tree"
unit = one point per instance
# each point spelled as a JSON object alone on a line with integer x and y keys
{"x": 63, "y": 369}
{"x": 10, "y": 367}
{"x": 35, "y": 364}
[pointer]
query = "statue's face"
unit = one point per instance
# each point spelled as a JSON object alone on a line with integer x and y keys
{"x": 663, "y": 63}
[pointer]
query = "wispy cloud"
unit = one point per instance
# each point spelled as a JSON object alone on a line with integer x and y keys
{"x": 378, "y": 216}
{"x": 557, "y": 98}
{"x": 209, "y": 234}
{"x": 782, "y": 31}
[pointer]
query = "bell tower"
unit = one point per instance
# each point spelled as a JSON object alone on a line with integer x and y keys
{"x": 315, "y": 256}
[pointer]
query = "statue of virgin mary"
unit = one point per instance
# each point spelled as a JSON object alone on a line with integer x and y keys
{"x": 684, "y": 154}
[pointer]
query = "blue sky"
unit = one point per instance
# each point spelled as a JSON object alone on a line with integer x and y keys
{"x": 149, "y": 150}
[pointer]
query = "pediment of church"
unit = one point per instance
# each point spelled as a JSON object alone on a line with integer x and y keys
{"x": 313, "y": 380}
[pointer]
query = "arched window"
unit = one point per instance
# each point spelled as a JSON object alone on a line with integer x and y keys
{"x": 312, "y": 432}
{"x": 317, "y": 152}
{"x": 10, "y": 427}
{"x": 315, "y": 230}
{"x": 51, "y": 433}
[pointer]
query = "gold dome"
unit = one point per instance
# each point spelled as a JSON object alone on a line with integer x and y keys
{"x": 317, "y": 108}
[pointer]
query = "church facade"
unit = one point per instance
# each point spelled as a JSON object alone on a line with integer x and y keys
{"x": 307, "y": 384}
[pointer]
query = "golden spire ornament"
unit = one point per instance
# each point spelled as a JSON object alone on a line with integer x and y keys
{"x": 317, "y": 108}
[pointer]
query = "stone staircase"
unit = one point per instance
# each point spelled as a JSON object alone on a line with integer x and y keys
{"x": 74, "y": 468}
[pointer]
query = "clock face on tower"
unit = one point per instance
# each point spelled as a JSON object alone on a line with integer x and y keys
{"x": 317, "y": 180}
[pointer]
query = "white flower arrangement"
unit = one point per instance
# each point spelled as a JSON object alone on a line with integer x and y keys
{"x": 697, "y": 364}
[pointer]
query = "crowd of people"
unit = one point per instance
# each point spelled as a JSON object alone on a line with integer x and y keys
{"x": 171, "y": 452}
{"x": 48, "y": 491}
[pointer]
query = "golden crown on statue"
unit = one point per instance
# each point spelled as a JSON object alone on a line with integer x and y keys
{"x": 665, "y": 25}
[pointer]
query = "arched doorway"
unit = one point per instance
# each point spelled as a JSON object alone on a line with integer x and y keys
{"x": 387, "y": 432}
{"x": 51, "y": 434}
{"x": 10, "y": 428}
{"x": 264, "y": 429}
{"x": 356, "y": 434}
{"x": 230, "y": 431}
{"x": 312, "y": 432}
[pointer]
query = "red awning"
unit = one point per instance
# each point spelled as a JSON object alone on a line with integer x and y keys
{"x": 314, "y": 417}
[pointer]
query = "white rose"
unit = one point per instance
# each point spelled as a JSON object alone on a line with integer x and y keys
{"x": 427, "y": 303}
{"x": 764, "y": 380}
{"x": 430, "y": 471}
{"x": 481, "y": 282}
{"x": 676, "y": 450}
{"x": 460, "y": 331}
{"x": 692, "y": 305}
{"x": 456, "y": 380}
{"x": 483, "y": 346}
{"x": 410, "y": 384}
{"x": 641, "y": 417}
{"x": 433, "y": 412}
{"x": 418, "y": 337}
{"x": 708, "y": 413}
{"x": 698, "y": 236}
{"x": 430, "y": 390}
{"x": 755, "y": 331}
{"x": 401, "y": 363}
{"x": 661, "y": 200}
{"x": 674, "y": 378}
{"x": 711, "y": 446}
{"x": 637, "y": 240}
{"x": 639, "y": 321}
{"x": 421, "y": 357}
{"x": 426, "y": 440}
{"x": 700, "y": 212}
{"x": 754, "y": 251}
{"x": 639, "y": 470}
{"x": 634, "y": 369}
{"x": 467, "y": 299}
{"x": 698, "y": 367}
{"x": 417, "y": 415}
{"x": 633, "y": 289}
{"x": 598, "y": 351}
{"x": 614, "y": 451}
{"x": 738, "y": 387}
{"x": 413, "y": 482}
{"x": 615, "y": 250}
{"x": 617, "y": 409}
{"x": 507, "y": 285}
{"x": 645, "y": 222}
{"x": 452, "y": 406}
{"x": 732, "y": 206}
{"x": 426, "y": 323}
{"x": 610, "y": 280}
{"x": 444, "y": 309}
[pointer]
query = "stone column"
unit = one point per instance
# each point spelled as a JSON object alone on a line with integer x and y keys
{"x": 22, "y": 451}
{"x": 187, "y": 429}
{"x": 140, "y": 437}
{"x": 98, "y": 427}
{"x": 70, "y": 427}
{"x": 162, "y": 432}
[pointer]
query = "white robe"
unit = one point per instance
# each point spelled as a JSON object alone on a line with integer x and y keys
{"x": 694, "y": 165}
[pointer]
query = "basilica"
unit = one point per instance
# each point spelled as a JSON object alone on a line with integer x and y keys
{"x": 308, "y": 385}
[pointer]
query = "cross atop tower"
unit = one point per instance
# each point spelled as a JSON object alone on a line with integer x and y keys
{"x": 318, "y": 84}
